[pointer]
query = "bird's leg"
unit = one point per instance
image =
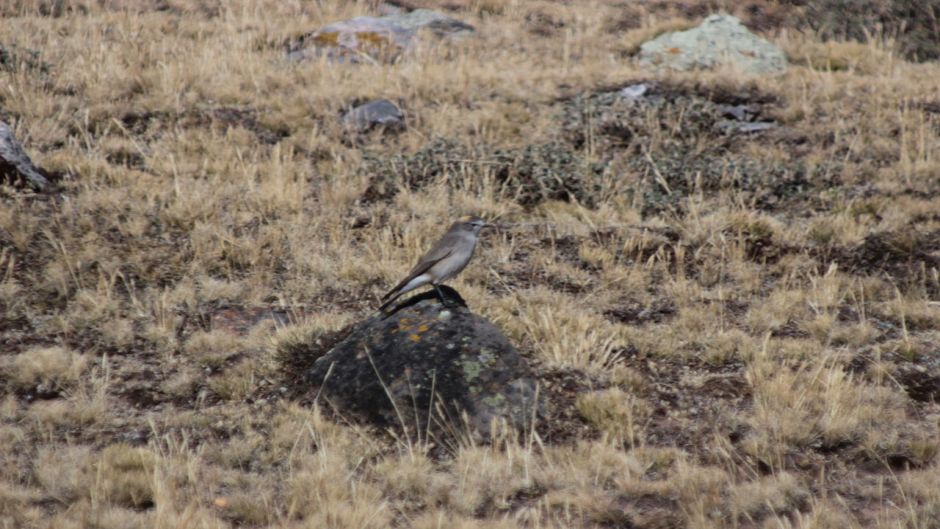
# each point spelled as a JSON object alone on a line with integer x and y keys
{"x": 440, "y": 294}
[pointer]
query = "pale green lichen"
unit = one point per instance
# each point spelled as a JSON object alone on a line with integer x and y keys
{"x": 486, "y": 356}
{"x": 471, "y": 368}
{"x": 496, "y": 400}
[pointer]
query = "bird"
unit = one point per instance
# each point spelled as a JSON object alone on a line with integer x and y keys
{"x": 447, "y": 258}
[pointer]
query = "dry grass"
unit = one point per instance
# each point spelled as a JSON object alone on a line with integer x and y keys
{"x": 742, "y": 361}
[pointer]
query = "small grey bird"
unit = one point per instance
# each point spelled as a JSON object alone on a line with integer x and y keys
{"x": 447, "y": 258}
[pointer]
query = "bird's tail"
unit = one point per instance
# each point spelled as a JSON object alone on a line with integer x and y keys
{"x": 389, "y": 298}
{"x": 405, "y": 286}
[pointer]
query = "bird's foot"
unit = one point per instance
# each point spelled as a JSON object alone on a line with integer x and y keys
{"x": 447, "y": 303}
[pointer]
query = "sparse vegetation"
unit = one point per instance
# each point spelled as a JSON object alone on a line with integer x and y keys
{"x": 734, "y": 330}
{"x": 911, "y": 24}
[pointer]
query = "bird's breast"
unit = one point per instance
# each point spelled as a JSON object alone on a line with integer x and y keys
{"x": 456, "y": 261}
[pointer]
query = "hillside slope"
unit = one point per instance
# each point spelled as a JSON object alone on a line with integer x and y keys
{"x": 745, "y": 325}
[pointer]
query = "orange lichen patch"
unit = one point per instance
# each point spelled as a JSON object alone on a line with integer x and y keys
{"x": 423, "y": 328}
{"x": 220, "y": 502}
{"x": 674, "y": 51}
{"x": 404, "y": 325}
{"x": 373, "y": 39}
{"x": 415, "y": 338}
{"x": 363, "y": 41}
{"x": 330, "y": 38}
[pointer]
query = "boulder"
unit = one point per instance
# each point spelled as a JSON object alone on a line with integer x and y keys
{"x": 380, "y": 113}
{"x": 375, "y": 39}
{"x": 427, "y": 366}
{"x": 15, "y": 165}
{"x": 718, "y": 40}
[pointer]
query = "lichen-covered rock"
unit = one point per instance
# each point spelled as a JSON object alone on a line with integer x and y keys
{"x": 718, "y": 40}
{"x": 378, "y": 39}
{"x": 380, "y": 113}
{"x": 15, "y": 165}
{"x": 427, "y": 361}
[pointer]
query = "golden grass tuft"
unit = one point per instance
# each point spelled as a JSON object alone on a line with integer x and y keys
{"x": 51, "y": 368}
{"x": 816, "y": 405}
{"x": 616, "y": 413}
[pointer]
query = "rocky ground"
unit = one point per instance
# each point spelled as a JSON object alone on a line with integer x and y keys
{"x": 723, "y": 283}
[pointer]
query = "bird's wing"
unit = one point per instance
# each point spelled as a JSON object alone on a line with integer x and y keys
{"x": 439, "y": 251}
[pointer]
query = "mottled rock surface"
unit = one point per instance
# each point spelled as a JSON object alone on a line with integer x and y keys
{"x": 380, "y": 113}
{"x": 15, "y": 165}
{"x": 435, "y": 362}
{"x": 718, "y": 40}
{"x": 375, "y": 39}
{"x": 921, "y": 378}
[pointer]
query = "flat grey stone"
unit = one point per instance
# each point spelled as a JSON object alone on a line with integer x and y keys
{"x": 747, "y": 127}
{"x": 739, "y": 112}
{"x": 718, "y": 40}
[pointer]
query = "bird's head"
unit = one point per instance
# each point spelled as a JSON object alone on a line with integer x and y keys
{"x": 471, "y": 223}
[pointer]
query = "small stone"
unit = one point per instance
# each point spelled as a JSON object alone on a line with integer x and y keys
{"x": 633, "y": 92}
{"x": 739, "y": 112}
{"x": 15, "y": 164}
{"x": 746, "y": 128}
{"x": 378, "y": 114}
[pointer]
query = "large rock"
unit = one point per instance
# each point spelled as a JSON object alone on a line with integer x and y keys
{"x": 718, "y": 40}
{"x": 378, "y": 114}
{"x": 427, "y": 361}
{"x": 375, "y": 39}
{"x": 15, "y": 165}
